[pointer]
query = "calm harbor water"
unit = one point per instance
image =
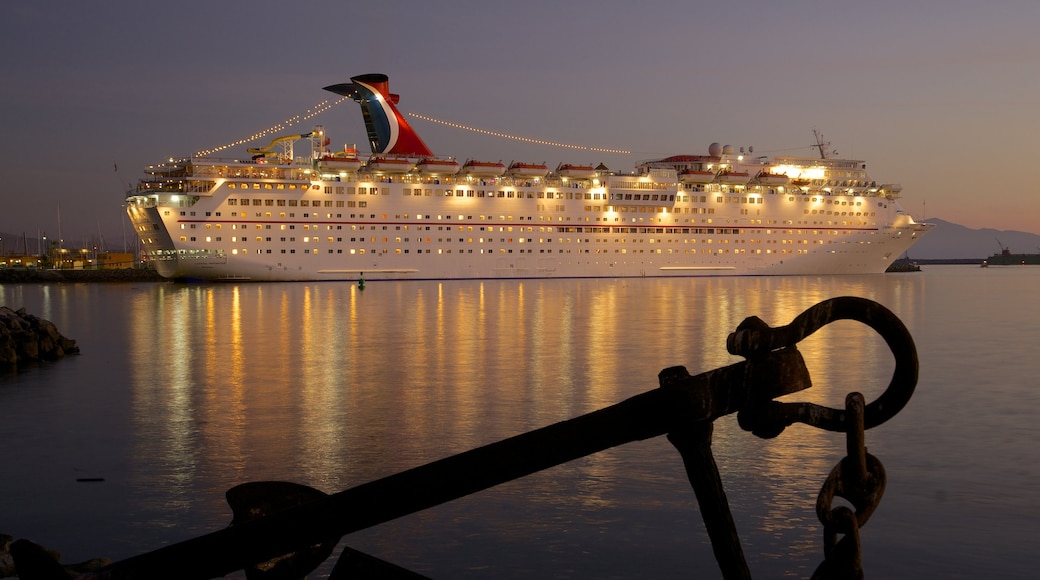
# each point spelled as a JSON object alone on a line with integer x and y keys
{"x": 183, "y": 391}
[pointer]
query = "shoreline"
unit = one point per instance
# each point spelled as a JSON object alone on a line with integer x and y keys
{"x": 23, "y": 276}
{"x": 17, "y": 275}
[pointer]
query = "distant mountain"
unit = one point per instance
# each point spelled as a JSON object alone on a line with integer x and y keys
{"x": 950, "y": 241}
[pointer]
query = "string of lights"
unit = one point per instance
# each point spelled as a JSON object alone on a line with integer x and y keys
{"x": 326, "y": 105}
{"x": 518, "y": 138}
{"x": 295, "y": 119}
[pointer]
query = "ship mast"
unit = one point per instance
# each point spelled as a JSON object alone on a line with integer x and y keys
{"x": 824, "y": 147}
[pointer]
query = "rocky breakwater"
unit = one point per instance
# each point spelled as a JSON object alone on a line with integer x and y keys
{"x": 24, "y": 559}
{"x": 24, "y": 337}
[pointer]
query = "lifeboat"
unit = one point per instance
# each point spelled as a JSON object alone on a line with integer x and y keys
{"x": 517, "y": 169}
{"x": 483, "y": 168}
{"x": 379, "y": 164}
{"x": 696, "y": 176}
{"x": 576, "y": 171}
{"x": 769, "y": 178}
{"x": 438, "y": 166}
{"x": 340, "y": 163}
{"x": 733, "y": 177}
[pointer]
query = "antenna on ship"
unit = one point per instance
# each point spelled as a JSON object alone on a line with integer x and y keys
{"x": 824, "y": 147}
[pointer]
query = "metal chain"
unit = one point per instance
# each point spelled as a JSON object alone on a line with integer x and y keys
{"x": 859, "y": 478}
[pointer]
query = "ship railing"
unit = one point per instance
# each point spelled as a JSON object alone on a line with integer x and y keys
{"x": 164, "y": 186}
{"x": 258, "y": 172}
{"x": 518, "y": 182}
{"x": 285, "y": 530}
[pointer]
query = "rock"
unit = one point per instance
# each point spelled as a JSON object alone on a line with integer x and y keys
{"x": 33, "y": 561}
{"x": 28, "y": 561}
{"x": 24, "y": 337}
{"x": 6, "y": 562}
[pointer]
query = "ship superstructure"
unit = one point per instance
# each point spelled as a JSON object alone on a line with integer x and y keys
{"x": 404, "y": 213}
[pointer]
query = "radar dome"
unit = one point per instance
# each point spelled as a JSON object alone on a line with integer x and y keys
{"x": 727, "y": 150}
{"x": 714, "y": 149}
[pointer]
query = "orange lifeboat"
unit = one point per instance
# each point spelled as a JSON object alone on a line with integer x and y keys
{"x": 769, "y": 178}
{"x": 339, "y": 163}
{"x": 576, "y": 171}
{"x": 381, "y": 164}
{"x": 483, "y": 168}
{"x": 696, "y": 176}
{"x": 517, "y": 169}
{"x": 733, "y": 177}
{"x": 430, "y": 166}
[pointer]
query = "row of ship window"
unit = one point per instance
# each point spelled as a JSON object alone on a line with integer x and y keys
{"x": 398, "y": 240}
{"x": 602, "y": 230}
{"x": 626, "y": 190}
{"x": 490, "y": 251}
{"x": 272, "y": 202}
{"x": 280, "y": 202}
{"x": 695, "y": 211}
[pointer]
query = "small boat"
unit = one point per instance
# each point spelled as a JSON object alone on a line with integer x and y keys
{"x": 431, "y": 166}
{"x": 517, "y": 169}
{"x": 483, "y": 168}
{"x": 382, "y": 164}
{"x": 696, "y": 176}
{"x": 576, "y": 171}
{"x": 337, "y": 162}
{"x": 733, "y": 177}
{"x": 1006, "y": 258}
{"x": 769, "y": 178}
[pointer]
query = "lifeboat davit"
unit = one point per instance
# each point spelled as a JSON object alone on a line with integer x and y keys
{"x": 339, "y": 163}
{"x": 438, "y": 167}
{"x": 769, "y": 178}
{"x": 483, "y": 168}
{"x": 576, "y": 171}
{"x": 517, "y": 169}
{"x": 696, "y": 176}
{"x": 733, "y": 177}
{"x": 380, "y": 164}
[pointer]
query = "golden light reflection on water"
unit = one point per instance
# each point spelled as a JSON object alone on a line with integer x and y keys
{"x": 330, "y": 386}
{"x": 224, "y": 385}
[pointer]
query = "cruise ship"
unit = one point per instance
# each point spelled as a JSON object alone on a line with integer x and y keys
{"x": 403, "y": 213}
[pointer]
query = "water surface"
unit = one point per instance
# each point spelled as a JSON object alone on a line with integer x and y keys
{"x": 183, "y": 391}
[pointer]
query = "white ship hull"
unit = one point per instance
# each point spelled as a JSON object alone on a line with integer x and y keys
{"x": 236, "y": 220}
{"x": 466, "y": 230}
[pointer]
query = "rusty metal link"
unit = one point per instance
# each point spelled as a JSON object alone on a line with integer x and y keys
{"x": 753, "y": 338}
{"x": 843, "y": 561}
{"x": 860, "y": 479}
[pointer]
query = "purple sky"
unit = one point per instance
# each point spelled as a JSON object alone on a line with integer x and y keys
{"x": 917, "y": 88}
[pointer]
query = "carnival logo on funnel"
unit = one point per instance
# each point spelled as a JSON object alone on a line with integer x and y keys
{"x": 388, "y": 131}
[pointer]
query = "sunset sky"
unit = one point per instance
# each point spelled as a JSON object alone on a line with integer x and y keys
{"x": 922, "y": 90}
